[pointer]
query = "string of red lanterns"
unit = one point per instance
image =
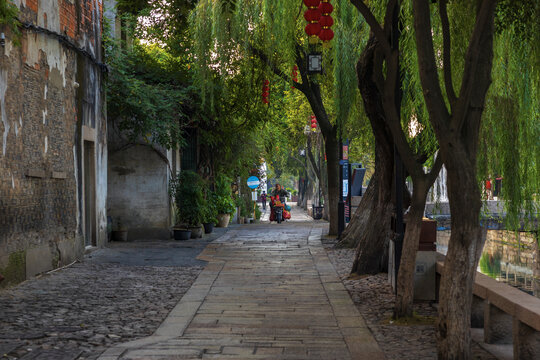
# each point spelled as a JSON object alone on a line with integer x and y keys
{"x": 319, "y": 20}
{"x": 294, "y": 75}
{"x": 326, "y": 21}
{"x": 312, "y": 16}
{"x": 265, "y": 91}
{"x": 313, "y": 123}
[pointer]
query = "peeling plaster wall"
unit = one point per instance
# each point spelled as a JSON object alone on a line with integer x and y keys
{"x": 43, "y": 85}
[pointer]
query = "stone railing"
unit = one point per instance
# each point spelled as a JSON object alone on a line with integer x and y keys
{"x": 507, "y": 315}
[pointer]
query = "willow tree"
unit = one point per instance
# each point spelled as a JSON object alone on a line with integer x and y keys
{"x": 233, "y": 38}
{"x": 511, "y": 128}
{"x": 456, "y": 119}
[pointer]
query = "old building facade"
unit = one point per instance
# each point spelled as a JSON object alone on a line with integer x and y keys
{"x": 53, "y": 143}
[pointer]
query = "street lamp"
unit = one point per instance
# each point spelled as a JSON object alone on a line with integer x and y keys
{"x": 314, "y": 63}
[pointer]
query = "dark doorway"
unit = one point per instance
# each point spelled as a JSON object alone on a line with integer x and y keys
{"x": 89, "y": 194}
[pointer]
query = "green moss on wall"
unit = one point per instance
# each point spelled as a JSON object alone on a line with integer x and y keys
{"x": 15, "y": 271}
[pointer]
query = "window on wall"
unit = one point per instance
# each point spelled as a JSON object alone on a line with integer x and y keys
{"x": 189, "y": 151}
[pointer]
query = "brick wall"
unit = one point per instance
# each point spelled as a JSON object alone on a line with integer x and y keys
{"x": 41, "y": 88}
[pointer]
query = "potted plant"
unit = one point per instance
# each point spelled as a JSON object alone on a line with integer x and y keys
{"x": 209, "y": 215}
{"x": 187, "y": 192}
{"x": 258, "y": 214}
{"x": 249, "y": 209}
{"x": 223, "y": 200}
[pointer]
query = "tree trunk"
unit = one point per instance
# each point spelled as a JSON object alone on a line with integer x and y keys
{"x": 464, "y": 250}
{"x": 370, "y": 226}
{"x": 372, "y": 251}
{"x": 359, "y": 220}
{"x": 405, "y": 280}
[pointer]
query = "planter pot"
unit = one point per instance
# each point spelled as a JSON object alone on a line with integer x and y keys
{"x": 208, "y": 228}
{"x": 196, "y": 232}
{"x": 120, "y": 235}
{"x": 182, "y": 234}
{"x": 223, "y": 220}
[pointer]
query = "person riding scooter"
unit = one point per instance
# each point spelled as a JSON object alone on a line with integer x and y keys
{"x": 277, "y": 202}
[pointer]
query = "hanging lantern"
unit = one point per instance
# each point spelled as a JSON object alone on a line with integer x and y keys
{"x": 265, "y": 92}
{"x": 326, "y": 34}
{"x": 326, "y": 21}
{"x": 313, "y": 29}
{"x": 313, "y": 123}
{"x": 294, "y": 75}
{"x": 312, "y": 16}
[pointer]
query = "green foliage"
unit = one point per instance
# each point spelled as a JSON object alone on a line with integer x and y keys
{"x": 258, "y": 213}
{"x": 490, "y": 264}
{"x": 132, "y": 7}
{"x": 210, "y": 212}
{"x": 147, "y": 94}
{"x": 187, "y": 191}
{"x": 222, "y": 195}
{"x": 9, "y": 17}
{"x": 511, "y": 128}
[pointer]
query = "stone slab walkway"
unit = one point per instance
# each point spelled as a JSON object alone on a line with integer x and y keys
{"x": 269, "y": 291}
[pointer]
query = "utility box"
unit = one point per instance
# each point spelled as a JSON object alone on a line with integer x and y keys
{"x": 426, "y": 259}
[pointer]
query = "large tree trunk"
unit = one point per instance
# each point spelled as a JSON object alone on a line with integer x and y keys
{"x": 359, "y": 221}
{"x": 458, "y": 138}
{"x": 464, "y": 250}
{"x": 372, "y": 251}
{"x": 405, "y": 280}
{"x": 370, "y": 227}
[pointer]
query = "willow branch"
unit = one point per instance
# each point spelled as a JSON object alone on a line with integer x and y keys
{"x": 393, "y": 117}
{"x": 429, "y": 77}
{"x": 447, "y": 64}
{"x": 373, "y": 24}
{"x": 477, "y": 52}
{"x": 265, "y": 59}
{"x": 312, "y": 161}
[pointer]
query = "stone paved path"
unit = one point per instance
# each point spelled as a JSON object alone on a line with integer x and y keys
{"x": 268, "y": 292}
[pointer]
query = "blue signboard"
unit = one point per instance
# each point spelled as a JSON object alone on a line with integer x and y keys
{"x": 253, "y": 182}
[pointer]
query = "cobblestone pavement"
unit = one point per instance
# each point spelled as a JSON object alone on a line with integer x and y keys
{"x": 110, "y": 297}
{"x": 268, "y": 292}
{"x": 374, "y": 299}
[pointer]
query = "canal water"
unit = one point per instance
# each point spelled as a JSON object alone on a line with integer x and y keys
{"x": 508, "y": 256}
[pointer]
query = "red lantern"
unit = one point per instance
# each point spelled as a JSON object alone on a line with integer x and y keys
{"x": 326, "y": 34}
{"x": 312, "y": 3}
{"x": 326, "y": 8}
{"x": 265, "y": 92}
{"x": 326, "y": 21}
{"x": 313, "y": 29}
{"x": 312, "y": 15}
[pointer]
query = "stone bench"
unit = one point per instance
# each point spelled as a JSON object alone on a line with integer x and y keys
{"x": 508, "y": 315}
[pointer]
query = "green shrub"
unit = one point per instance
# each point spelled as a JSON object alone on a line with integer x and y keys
{"x": 187, "y": 192}
{"x": 222, "y": 196}
{"x": 258, "y": 213}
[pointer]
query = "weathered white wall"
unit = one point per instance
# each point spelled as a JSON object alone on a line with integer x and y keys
{"x": 138, "y": 195}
